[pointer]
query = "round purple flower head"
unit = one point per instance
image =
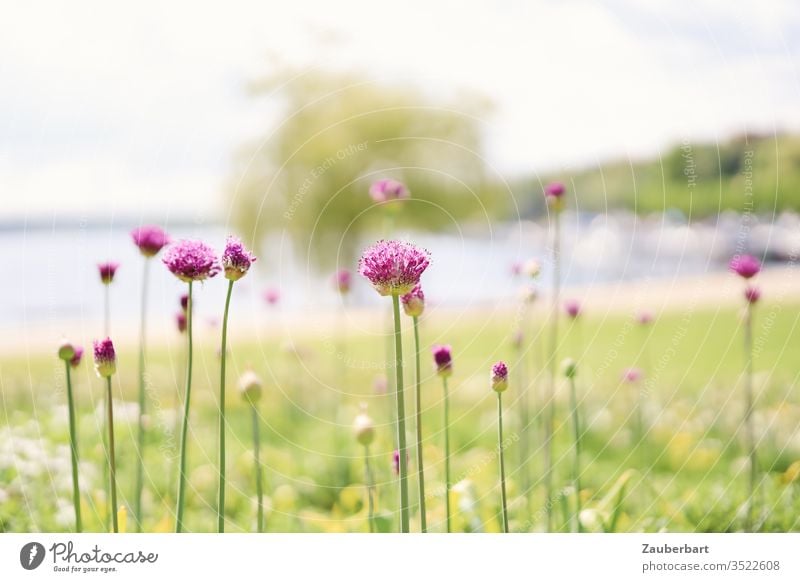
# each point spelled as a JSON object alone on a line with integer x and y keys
{"x": 396, "y": 461}
{"x": 191, "y": 260}
{"x": 342, "y": 281}
{"x": 150, "y": 239}
{"x": 272, "y": 295}
{"x": 499, "y": 377}
{"x": 393, "y": 267}
{"x": 573, "y": 308}
{"x": 554, "y": 194}
{"x": 443, "y": 360}
{"x": 632, "y": 375}
{"x": 180, "y": 320}
{"x": 236, "y": 259}
{"x": 105, "y": 358}
{"x": 746, "y": 266}
{"x": 752, "y": 294}
{"x": 414, "y": 301}
{"x": 644, "y": 318}
{"x": 76, "y": 357}
{"x": 388, "y": 190}
{"x": 107, "y": 272}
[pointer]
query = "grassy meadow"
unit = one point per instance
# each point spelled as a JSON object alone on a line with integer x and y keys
{"x": 689, "y": 474}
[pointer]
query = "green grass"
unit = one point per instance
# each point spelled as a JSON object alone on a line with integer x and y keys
{"x": 690, "y": 474}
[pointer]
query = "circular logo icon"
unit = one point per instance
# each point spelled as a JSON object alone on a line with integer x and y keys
{"x": 31, "y": 555}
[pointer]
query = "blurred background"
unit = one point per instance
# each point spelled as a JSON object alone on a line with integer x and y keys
{"x": 676, "y": 130}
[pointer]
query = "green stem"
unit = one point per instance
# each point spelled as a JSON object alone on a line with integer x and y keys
{"x": 576, "y": 468}
{"x": 185, "y": 422}
{"x": 73, "y": 446}
{"x": 401, "y": 416}
{"x": 502, "y": 461}
{"x": 223, "y": 357}
{"x": 549, "y": 420}
{"x": 257, "y": 458}
{"x": 140, "y": 436}
{"x": 447, "y": 483}
{"x": 370, "y": 486}
{"x": 748, "y": 417}
{"x": 112, "y": 464}
{"x": 420, "y": 471}
{"x": 524, "y": 420}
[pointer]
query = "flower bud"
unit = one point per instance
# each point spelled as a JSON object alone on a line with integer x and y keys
{"x": 500, "y": 377}
{"x": 569, "y": 367}
{"x": 66, "y": 351}
{"x": 364, "y": 427}
{"x": 250, "y": 387}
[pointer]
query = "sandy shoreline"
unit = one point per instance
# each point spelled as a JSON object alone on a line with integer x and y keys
{"x": 705, "y": 292}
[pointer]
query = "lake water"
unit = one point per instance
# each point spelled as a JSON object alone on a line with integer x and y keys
{"x": 51, "y": 274}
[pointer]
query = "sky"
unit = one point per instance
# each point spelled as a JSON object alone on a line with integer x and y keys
{"x": 137, "y": 109}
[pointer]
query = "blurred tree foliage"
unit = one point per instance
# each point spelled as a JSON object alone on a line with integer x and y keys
{"x": 747, "y": 173}
{"x": 334, "y": 135}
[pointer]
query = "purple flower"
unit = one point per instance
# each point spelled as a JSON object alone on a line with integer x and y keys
{"x": 387, "y": 190}
{"x": 554, "y": 190}
{"x": 77, "y": 357}
{"x": 644, "y": 318}
{"x": 500, "y": 377}
{"x": 191, "y": 260}
{"x": 752, "y": 294}
{"x": 105, "y": 358}
{"x": 573, "y": 308}
{"x": 396, "y": 461}
{"x": 746, "y": 266}
{"x": 272, "y": 295}
{"x": 516, "y": 268}
{"x": 393, "y": 267}
{"x": 184, "y": 302}
{"x": 107, "y": 272}
{"x": 443, "y": 360}
{"x": 414, "y": 301}
{"x": 150, "y": 239}
{"x": 342, "y": 280}
{"x": 180, "y": 320}
{"x": 632, "y": 375}
{"x": 236, "y": 259}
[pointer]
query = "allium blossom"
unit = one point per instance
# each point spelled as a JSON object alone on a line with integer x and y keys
{"x": 752, "y": 294}
{"x": 342, "y": 281}
{"x": 746, "y": 266}
{"x": 573, "y": 308}
{"x": 76, "y": 357}
{"x": 191, "y": 260}
{"x": 387, "y": 190}
{"x": 184, "y": 302}
{"x": 500, "y": 377}
{"x": 632, "y": 375}
{"x": 644, "y": 318}
{"x": 443, "y": 360}
{"x": 107, "y": 272}
{"x": 393, "y": 267}
{"x": 150, "y": 239}
{"x": 180, "y": 320}
{"x": 236, "y": 259}
{"x": 396, "y": 461}
{"x": 105, "y": 358}
{"x": 414, "y": 301}
{"x": 554, "y": 190}
{"x": 272, "y": 295}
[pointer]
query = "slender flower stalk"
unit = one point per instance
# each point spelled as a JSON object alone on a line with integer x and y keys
{"x": 443, "y": 360}
{"x": 394, "y": 268}
{"x": 105, "y": 364}
{"x": 554, "y": 195}
{"x": 747, "y": 267}
{"x": 72, "y": 358}
{"x": 189, "y": 261}
{"x": 250, "y": 387}
{"x": 500, "y": 385}
{"x": 414, "y": 305}
{"x": 150, "y": 240}
{"x": 107, "y": 272}
{"x": 364, "y": 430}
{"x": 236, "y": 262}
{"x": 570, "y": 368}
